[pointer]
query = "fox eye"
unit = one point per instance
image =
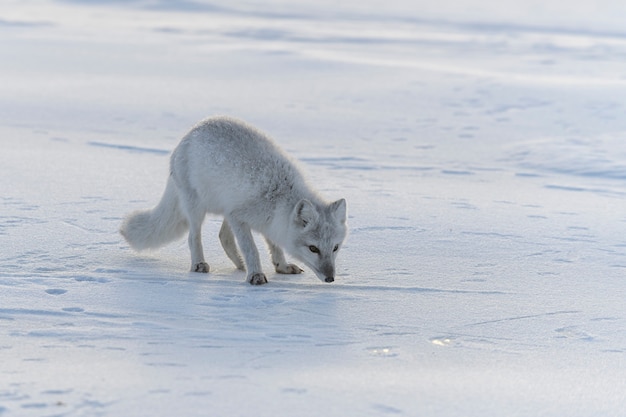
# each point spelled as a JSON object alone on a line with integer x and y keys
{"x": 314, "y": 249}
{"x": 336, "y": 248}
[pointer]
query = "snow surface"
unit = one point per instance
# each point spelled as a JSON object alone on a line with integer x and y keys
{"x": 481, "y": 148}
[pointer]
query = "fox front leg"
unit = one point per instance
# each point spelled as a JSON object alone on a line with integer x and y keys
{"x": 250, "y": 253}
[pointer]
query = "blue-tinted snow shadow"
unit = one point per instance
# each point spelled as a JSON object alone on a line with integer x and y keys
{"x": 292, "y": 11}
{"x": 154, "y": 271}
{"x": 614, "y": 193}
{"x": 282, "y": 282}
{"x": 412, "y": 290}
{"x": 359, "y": 164}
{"x": 23, "y": 24}
{"x": 190, "y": 6}
{"x": 129, "y": 148}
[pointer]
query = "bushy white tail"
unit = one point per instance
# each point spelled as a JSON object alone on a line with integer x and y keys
{"x": 151, "y": 229}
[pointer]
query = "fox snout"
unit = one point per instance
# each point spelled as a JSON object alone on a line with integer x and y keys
{"x": 327, "y": 271}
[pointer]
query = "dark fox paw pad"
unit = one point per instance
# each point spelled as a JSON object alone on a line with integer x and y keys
{"x": 200, "y": 267}
{"x": 258, "y": 279}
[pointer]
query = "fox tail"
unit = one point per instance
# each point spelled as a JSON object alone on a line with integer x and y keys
{"x": 151, "y": 229}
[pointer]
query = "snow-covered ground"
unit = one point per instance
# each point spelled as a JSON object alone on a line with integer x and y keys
{"x": 481, "y": 146}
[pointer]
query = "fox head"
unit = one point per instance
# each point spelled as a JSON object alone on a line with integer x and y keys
{"x": 318, "y": 232}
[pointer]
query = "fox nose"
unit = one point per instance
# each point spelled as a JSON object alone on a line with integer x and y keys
{"x": 329, "y": 279}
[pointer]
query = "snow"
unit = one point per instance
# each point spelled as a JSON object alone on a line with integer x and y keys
{"x": 480, "y": 147}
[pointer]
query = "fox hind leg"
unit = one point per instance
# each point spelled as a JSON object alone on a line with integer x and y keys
{"x": 195, "y": 218}
{"x": 227, "y": 239}
{"x": 198, "y": 264}
{"x": 278, "y": 259}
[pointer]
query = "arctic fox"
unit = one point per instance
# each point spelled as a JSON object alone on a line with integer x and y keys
{"x": 224, "y": 166}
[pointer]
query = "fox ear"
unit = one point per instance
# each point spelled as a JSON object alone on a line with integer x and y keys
{"x": 338, "y": 209}
{"x": 305, "y": 213}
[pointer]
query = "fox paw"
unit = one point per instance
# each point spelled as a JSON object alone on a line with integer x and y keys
{"x": 257, "y": 279}
{"x": 288, "y": 269}
{"x": 200, "y": 267}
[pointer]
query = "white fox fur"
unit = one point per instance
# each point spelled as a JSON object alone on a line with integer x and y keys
{"x": 226, "y": 167}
